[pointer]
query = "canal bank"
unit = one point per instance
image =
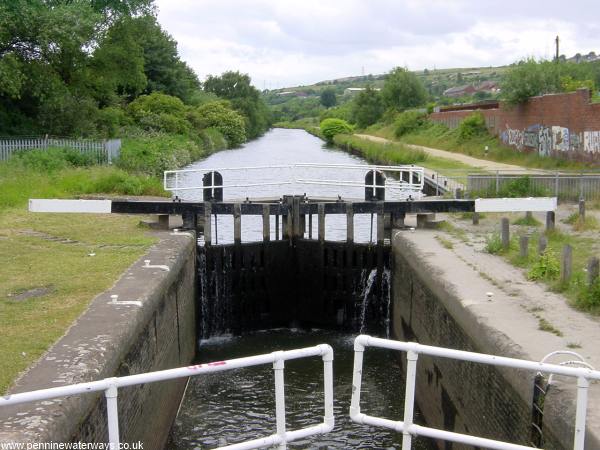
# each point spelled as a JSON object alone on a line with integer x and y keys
{"x": 150, "y": 326}
{"x": 441, "y": 299}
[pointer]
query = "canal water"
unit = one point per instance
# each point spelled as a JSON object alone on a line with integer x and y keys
{"x": 230, "y": 407}
{"x": 274, "y": 153}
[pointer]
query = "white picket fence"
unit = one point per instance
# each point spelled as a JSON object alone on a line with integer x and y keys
{"x": 104, "y": 151}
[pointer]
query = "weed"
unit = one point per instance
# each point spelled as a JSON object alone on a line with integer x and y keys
{"x": 445, "y": 242}
{"x": 547, "y": 267}
{"x": 579, "y": 224}
{"x": 493, "y": 244}
{"x": 589, "y": 296}
{"x": 544, "y": 325}
{"x": 573, "y": 345}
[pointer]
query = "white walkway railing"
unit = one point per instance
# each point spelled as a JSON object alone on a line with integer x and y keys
{"x": 413, "y": 350}
{"x": 110, "y": 386}
{"x": 401, "y": 182}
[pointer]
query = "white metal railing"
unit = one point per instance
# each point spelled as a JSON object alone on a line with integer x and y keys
{"x": 413, "y": 350}
{"x": 110, "y": 387}
{"x": 330, "y": 175}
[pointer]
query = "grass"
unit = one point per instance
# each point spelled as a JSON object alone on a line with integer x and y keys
{"x": 579, "y": 224}
{"x": 441, "y": 137}
{"x": 527, "y": 221}
{"x": 446, "y": 243}
{"x": 544, "y": 325}
{"x": 32, "y": 256}
{"x": 379, "y": 153}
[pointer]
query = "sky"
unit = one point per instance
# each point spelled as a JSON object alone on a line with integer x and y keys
{"x": 289, "y": 42}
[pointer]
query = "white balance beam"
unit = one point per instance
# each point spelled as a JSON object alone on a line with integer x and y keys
{"x": 515, "y": 204}
{"x": 69, "y": 206}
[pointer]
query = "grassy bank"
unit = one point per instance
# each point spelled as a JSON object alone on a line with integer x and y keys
{"x": 43, "y": 256}
{"x": 441, "y": 137}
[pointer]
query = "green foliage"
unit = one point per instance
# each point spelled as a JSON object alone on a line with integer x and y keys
{"x": 244, "y": 98}
{"x": 343, "y": 112}
{"x": 213, "y": 139}
{"x": 547, "y": 267}
{"x": 409, "y": 121}
{"x": 589, "y": 296}
{"x": 160, "y": 112}
{"x": 367, "y": 107}
{"x": 328, "y": 98}
{"x": 229, "y": 122}
{"x": 403, "y": 89}
{"x": 579, "y": 224}
{"x": 331, "y": 127}
{"x": 378, "y": 153}
{"x": 529, "y": 78}
{"x": 110, "y": 120}
{"x": 50, "y": 160}
{"x": 493, "y": 244}
{"x": 473, "y": 125}
{"x": 527, "y": 221}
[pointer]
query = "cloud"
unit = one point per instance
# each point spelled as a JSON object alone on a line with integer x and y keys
{"x": 290, "y": 42}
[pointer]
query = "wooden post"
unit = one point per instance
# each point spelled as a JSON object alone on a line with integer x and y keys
{"x": 207, "y": 222}
{"x": 542, "y": 244}
{"x": 566, "y": 263}
{"x": 310, "y": 225}
{"x": 582, "y": 210}
{"x": 528, "y": 216}
{"x": 523, "y": 247}
{"x": 475, "y": 218}
{"x": 505, "y": 233}
{"x": 237, "y": 223}
{"x": 296, "y": 217}
{"x": 593, "y": 270}
{"x": 276, "y": 227}
{"x": 321, "y": 222}
{"x": 380, "y": 224}
{"x": 550, "y": 219}
{"x": 458, "y": 193}
{"x": 266, "y": 224}
{"x": 349, "y": 223}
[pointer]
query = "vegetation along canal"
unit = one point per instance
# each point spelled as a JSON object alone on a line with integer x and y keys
{"x": 234, "y": 406}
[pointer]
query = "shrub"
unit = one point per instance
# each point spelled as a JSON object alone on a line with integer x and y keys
{"x": 52, "y": 159}
{"x": 409, "y": 121}
{"x": 472, "y": 126}
{"x": 331, "y": 127}
{"x": 110, "y": 119}
{"x": 228, "y": 122}
{"x": 160, "y": 112}
{"x": 547, "y": 267}
{"x": 589, "y": 296}
{"x": 212, "y": 139}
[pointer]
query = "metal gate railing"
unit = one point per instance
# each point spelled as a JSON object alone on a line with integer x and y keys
{"x": 402, "y": 181}
{"x": 110, "y": 387}
{"x": 409, "y": 429}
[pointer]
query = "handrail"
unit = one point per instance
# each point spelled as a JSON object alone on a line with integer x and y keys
{"x": 110, "y": 387}
{"x": 413, "y": 350}
{"x": 412, "y": 187}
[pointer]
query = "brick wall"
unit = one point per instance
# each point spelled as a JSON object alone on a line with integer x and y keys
{"x": 556, "y": 125}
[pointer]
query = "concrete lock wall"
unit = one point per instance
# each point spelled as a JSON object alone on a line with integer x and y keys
{"x": 431, "y": 306}
{"x": 110, "y": 340}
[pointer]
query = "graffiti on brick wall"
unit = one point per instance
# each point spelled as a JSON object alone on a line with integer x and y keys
{"x": 591, "y": 141}
{"x": 548, "y": 140}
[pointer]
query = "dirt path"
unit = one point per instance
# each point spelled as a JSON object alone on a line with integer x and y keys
{"x": 465, "y": 159}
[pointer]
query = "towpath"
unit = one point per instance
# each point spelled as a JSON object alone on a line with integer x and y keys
{"x": 482, "y": 164}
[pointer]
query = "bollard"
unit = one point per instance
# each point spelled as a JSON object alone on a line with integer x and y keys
{"x": 528, "y": 216}
{"x": 505, "y": 233}
{"x": 458, "y": 193}
{"x": 582, "y": 210}
{"x": 566, "y": 263}
{"x": 524, "y": 247}
{"x": 475, "y": 218}
{"x": 542, "y": 244}
{"x": 550, "y": 219}
{"x": 593, "y": 270}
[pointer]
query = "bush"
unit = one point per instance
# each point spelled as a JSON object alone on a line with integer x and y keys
{"x": 547, "y": 267}
{"x": 493, "y": 244}
{"x": 212, "y": 139}
{"x": 160, "y": 112}
{"x": 110, "y": 120}
{"x": 472, "y": 126}
{"x": 589, "y": 296}
{"x": 52, "y": 159}
{"x": 331, "y": 127}
{"x": 409, "y": 121}
{"x": 228, "y": 122}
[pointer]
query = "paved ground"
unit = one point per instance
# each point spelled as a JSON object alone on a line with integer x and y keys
{"x": 482, "y": 164}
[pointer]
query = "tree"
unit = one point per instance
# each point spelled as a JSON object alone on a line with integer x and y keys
{"x": 328, "y": 98}
{"x": 402, "y": 89}
{"x": 367, "y": 107}
{"x": 244, "y": 97}
{"x": 220, "y": 116}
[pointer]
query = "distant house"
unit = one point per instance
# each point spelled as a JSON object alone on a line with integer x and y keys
{"x": 460, "y": 91}
{"x": 357, "y": 90}
{"x": 488, "y": 86}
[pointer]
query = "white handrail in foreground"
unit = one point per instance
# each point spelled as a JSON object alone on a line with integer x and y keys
{"x": 409, "y": 429}
{"x": 110, "y": 387}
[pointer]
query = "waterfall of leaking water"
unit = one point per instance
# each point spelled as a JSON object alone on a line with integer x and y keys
{"x": 365, "y": 294}
{"x": 204, "y": 304}
{"x": 386, "y": 287}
